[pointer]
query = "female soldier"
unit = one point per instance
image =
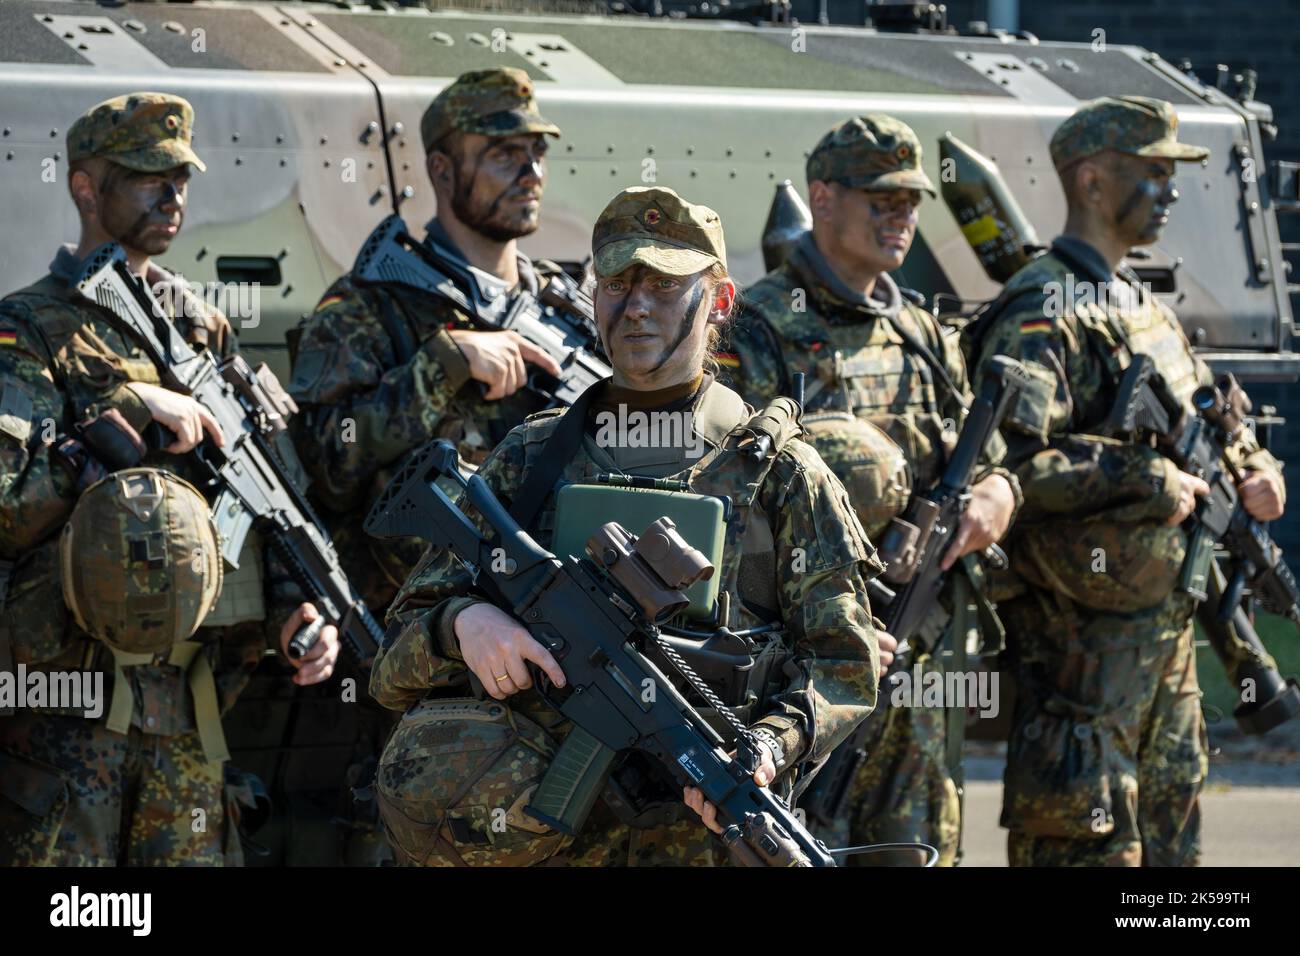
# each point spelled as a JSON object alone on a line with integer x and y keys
{"x": 458, "y": 771}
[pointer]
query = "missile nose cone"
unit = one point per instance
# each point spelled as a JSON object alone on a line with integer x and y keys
{"x": 787, "y": 220}
{"x": 985, "y": 209}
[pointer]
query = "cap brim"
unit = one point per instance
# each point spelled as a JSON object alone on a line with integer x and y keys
{"x": 899, "y": 179}
{"x": 512, "y": 123}
{"x": 1169, "y": 149}
{"x": 612, "y": 258}
{"x": 156, "y": 159}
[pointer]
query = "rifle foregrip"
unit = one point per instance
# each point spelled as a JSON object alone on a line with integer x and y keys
{"x": 1195, "y": 575}
{"x": 306, "y": 637}
{"x": 572, "y": 783}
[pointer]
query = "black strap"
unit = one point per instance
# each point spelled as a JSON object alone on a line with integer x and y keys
{"x": 560, "y": 449}
{"x": 923, "y": 350}
{"x": 398, "y": 331}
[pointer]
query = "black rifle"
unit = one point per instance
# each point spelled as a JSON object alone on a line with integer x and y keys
{"x": 595, "y": 616}
{"x": 913, "y": 547}
{"x": 253, "y": 475}
{"x": 1196, "y": 440}
{"x": 559, "y": 320}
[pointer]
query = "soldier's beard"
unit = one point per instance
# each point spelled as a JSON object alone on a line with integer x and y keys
{"x": 488, "y": 218}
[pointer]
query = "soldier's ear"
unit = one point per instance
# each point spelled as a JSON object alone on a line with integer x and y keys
{"x": 81, "y": 186}
{"x": 439, "y": 167}
{"x": 821, "y": 199}
{"x": 724, "y": 300}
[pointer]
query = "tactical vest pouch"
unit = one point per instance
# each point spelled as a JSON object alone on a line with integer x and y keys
{"x": 581, "y": 510}
{"x": 36, "y": 624}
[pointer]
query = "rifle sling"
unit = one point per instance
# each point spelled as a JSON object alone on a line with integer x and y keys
{"x": 399, "y": 332}
{"x": 560, "y": 449}
{"x": 920, "y": 348}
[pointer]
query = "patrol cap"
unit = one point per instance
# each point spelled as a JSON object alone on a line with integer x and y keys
{"x": 149, "y": 132}
{"x": 497, "y": 102}
{"x": 656, "y": 227}
{"x": 1137, "y": 125}
{"x": 874, "y": 151}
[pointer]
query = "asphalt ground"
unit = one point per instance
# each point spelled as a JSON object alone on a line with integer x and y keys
{"x": 1250, "y": 808}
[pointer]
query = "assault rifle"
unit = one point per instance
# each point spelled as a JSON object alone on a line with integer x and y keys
{"x": 596, "y": 615}
{"x": 559, "y": 320}
{"x": 1196, "y": 440}
{"x": 252, "y": 476}
{"x": 912, "y": 548}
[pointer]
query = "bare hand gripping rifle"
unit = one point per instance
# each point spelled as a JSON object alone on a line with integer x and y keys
{"x": 252, "y": 476}
{"x": 913, "y": 546}
{"x": 559, "y": 319}
{"x": 1196, "y": 440}
{"x": 595, "y": 615}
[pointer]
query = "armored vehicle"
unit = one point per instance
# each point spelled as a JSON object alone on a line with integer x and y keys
{"x": 307, "y": 116}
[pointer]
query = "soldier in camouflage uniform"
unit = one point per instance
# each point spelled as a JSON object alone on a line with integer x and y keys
{"x": 380, "y": 369}
{"x": 121, "y": 788}
{"x": 1107, "y": 750}
{"x": 794, "y": 553}
{"x": 868, "y": 350}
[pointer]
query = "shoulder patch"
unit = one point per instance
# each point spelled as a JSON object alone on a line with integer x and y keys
{"x": 1035, "y": 326}
{"x": 725, "y": 359}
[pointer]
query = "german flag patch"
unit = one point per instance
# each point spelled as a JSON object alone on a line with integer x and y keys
{"x": 1030, "y": 326}
{"x": 727, "y": 359}
{"x": 328, "y": 301}
{"x": 8, "y": 337}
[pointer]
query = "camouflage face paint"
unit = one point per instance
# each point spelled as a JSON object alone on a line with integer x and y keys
{"x": 669, "y": 315}
{"x": 1145, "y": 210}
{"x": 143, "y": 211}
{"x": 688, "y": 325}
{"x": 484, "y": 213}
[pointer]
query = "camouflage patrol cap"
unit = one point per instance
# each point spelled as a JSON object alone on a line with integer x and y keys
{"x": 149, "y": 132}
{"x": 491, "y": 102}
{"x": 139, "y": 560}
{"x": 656, "y": 227}
{"x": 1137, "y": 125}
{"x": 870, "y": 152}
